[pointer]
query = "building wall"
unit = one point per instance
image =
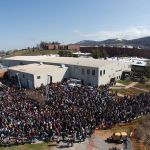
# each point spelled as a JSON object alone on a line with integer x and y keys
{"x": 116, "y": 52}
{"x": 138, "y": 68}
{"x": 113, "y": 70}
{"x": 27, "y": 80}
{"x": 53, "y": 46}
{"x": 80, "y": 72}
{"x": 44, "y": 79}
{"x": 35, "y": 81}
{"x": 10, "y": 63}
{"x": 74, "y": 47}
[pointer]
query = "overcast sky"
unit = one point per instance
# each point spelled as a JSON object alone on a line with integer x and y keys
{"x": 25, "y": 23}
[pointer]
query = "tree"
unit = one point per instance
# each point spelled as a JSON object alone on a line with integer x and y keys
{"x": 61, "y": 53}
{"x": 99, "y": 53}
{"x": 104, "y": 53}
{"x": 65, "y": 53}
{"x": 43, "y": 45}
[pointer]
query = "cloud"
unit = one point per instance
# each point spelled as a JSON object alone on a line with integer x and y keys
{"x": 130, "y": 33}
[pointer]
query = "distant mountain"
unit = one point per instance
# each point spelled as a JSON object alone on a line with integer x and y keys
{"x": 87, "y": 43}
{"x": 141, "y": 42}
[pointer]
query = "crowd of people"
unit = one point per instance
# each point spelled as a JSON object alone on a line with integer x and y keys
{"x": 68, "y": 111}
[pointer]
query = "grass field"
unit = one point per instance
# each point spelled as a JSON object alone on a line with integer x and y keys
{"x": 32, "y": 52}
{"x": 143, "y": 86}
{"x": 43, "y": 146}
{"x": 129, "y": 91}
{"x": 125, "y": 82}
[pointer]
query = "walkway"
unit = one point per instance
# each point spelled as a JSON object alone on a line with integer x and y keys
{"x": 140, "y": 89}
{"x": 131, "y": 85}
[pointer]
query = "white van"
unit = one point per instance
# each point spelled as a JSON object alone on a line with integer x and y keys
{"x": 74, "y": 82}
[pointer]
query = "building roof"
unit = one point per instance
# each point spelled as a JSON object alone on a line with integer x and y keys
{"x": 79, "y": 53}
{"x": 88, "y": 62}
{"x": 39, "y": 69}
{"x": 132, "y": 60}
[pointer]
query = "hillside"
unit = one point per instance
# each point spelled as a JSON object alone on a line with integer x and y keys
{"x": 141, "y": 42}
{"x": 30, "y": 52}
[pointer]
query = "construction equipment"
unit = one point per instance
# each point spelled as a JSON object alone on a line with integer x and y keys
{"x": 117, "y": 137}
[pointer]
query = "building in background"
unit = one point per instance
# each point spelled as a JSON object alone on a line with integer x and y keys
{"x": 117, "y": 51}
{"x": 58, "y": 46}
{"x": 74, "y": 47}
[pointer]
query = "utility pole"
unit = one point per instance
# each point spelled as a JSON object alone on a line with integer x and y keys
{"x": 17, "y": 74}
{"x": 47, "y": 87}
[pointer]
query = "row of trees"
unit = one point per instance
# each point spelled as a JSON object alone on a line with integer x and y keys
{"x": 44, "y": 45}
{"x": 99, "y": 54}
{"x": 66, "y": 53}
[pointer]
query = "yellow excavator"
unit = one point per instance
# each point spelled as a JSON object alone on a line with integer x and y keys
{"x": 117, "y": 137}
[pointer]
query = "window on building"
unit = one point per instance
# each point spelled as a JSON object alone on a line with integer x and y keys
{"x": 38, "y": 77}
{"x": 82, "y": 71}
{"x": 23, "y": 76}
{"x": 100, "y": 72}
{"x": 88, "y": 71}
{"x": 93, "y": 72}
{"x": 103, "y": 72}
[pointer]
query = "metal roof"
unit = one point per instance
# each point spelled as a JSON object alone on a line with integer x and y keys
{"x": 39, "y": 69}
{"x": 88, "y": 62}
{"x": 132, "y": 60}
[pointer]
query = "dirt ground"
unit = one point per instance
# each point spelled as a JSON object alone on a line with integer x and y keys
{"x": 96, "y": 142}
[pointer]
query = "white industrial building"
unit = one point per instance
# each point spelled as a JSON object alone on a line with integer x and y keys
{"x": 35, "y": 75}
{"x": 90, "y": 71}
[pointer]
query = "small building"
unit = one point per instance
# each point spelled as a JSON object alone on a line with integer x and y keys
{"x": 34, "y": 75}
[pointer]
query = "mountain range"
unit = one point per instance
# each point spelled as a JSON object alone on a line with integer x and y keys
{"x": 143, "y": 43}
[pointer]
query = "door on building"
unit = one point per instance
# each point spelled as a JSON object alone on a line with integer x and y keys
{"x": 49, "y": 79}
{"x": 112, "y": 81}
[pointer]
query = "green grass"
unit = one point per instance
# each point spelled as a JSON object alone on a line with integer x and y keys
{"x": 43, "y": 146}
{"x": 129, "y": 91}
{"x": 125, "y": 82}
{"x": 32, "y": 52}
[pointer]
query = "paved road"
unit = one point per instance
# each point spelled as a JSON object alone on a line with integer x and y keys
{"x": 128, "y": 145}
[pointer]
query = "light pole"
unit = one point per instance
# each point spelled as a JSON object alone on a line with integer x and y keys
{"x": 47, "y": 86}
{"x": 17, "y": 74}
